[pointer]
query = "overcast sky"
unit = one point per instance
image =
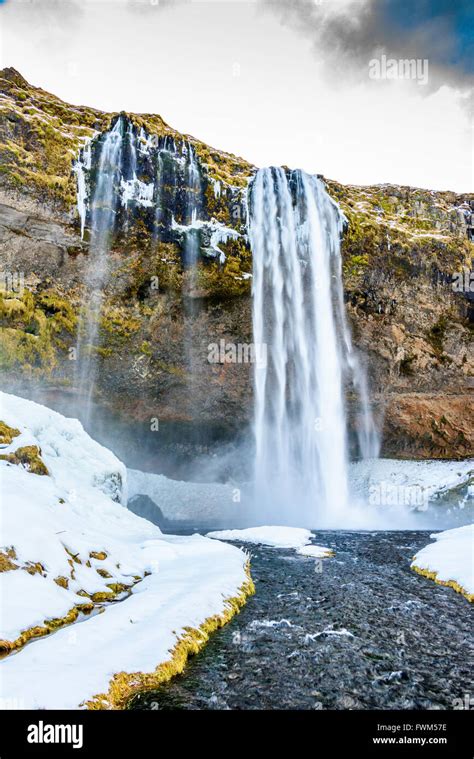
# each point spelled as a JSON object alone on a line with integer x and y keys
{"x": 275, "y": 82}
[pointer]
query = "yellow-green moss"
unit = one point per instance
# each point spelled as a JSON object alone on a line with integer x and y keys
{"x": 227, "y": 281}
{"x": 39, "y": 142}
{"x": 53, "y": 132}
{"x": 224, "y": 167}
{"x": 118, "y": 322}
{"x": 126, "y": 684}
{"x": 34, "y": 568}
{"x": 448, "y": 583}
{"x": 28, "y": 456}
{"x": 99, "y": 555}
{"x": 101, "y": 597}
{"x": 32, "y": 330}
{"x": 6, "y": 560}
{"x": 115, "y": 589}
{"x": 39, "y": 631}
{"x": 176, "y": 371}
{"x": 144, "y": 260}
{"x": 145, "y": 348}
{"x": 7, "y": 433}
{"x": 400, "y": 230}
{"x": 63, "y": 582}
{"x": 103, "y": 573}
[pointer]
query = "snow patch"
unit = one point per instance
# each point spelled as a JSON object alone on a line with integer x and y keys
{"x": 277, "y": 537}
{"x": 315, "y": 552}
{"x": 137, "y": 191}
{"x": 450, "y": 558}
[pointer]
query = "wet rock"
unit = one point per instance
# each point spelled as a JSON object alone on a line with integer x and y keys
{"x": 144, "y": 506}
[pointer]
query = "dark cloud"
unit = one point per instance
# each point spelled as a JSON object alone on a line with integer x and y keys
{"x": 346, "y": 37}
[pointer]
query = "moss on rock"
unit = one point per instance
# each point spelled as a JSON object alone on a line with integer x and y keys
{"x": 7, "y": 433}
{"x": 29, "y": 457}
{"x": 7, "y": 560}
{"x": 447, "y": 583}
{"x": 35, "y": 329}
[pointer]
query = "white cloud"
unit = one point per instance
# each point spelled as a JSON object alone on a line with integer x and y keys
{"x": 235, "y": 77}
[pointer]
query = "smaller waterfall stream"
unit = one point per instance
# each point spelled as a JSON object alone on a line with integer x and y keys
{"x": 193, "y": 193}
{"x": 102, "y": 218}
{"x": 124, "y": 175}
{"x": 301, "y": 467}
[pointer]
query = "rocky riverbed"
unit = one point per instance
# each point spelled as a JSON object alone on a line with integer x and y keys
{"x": 357, "y": 631}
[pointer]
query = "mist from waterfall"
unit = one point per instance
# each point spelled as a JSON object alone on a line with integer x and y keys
{"x": 300, "y": 428}
{"x": 103, "y": 206}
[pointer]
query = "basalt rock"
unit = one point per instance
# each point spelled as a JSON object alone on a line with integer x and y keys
{"x": 407, "y": 257}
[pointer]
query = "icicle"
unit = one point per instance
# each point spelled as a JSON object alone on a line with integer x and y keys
{"x": 81, "y": 166}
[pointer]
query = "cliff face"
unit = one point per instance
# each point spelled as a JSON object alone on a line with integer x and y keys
{"x": 406, "y": 254}
{"x": 401, "y": 249}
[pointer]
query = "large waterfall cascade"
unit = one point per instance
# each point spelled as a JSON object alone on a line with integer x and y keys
{"x": 301, "y": 460}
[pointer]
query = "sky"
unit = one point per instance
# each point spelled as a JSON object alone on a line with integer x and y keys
{"x": 277, "y": 82}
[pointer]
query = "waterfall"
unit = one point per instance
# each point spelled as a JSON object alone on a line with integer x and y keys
{"x": 103, "y": 206}
{"x": 192, "y": 206}
{"x": 178, "y": 194}
{"x": 125, "y": 175}
{"x": 132, "y": 189}
{"x": 301, "y": 458}
{"x": 81, "y": 167}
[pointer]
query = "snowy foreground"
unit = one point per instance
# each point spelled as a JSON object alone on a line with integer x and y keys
{"x": 450, "y": 560}
{"x": 70, "y": 552}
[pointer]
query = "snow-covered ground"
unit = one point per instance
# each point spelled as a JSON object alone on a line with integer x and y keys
{"x": 68, "y": 542}
{"x": 450, "y": 560}
{"x": 406, "y": 494}
{"x": 433, "y": 477}
{"x": 204, "y": 503}
{"x": 270, "y": 535}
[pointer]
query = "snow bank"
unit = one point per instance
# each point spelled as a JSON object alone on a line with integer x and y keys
{"x": 196, "y": 502}
{"x": 393, "y": 494}
{"x": 433, "y": 478}
{"x": 68, "y": 546}
{"x": 450, "y": 560}
{"x": 278, "y": 537}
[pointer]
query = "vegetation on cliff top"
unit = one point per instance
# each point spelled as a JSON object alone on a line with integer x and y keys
{"x": 402, "y": 230}
{"x": 40, "y": 137}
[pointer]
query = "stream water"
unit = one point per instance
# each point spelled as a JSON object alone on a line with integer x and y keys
{"x": 357, "y": 631}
